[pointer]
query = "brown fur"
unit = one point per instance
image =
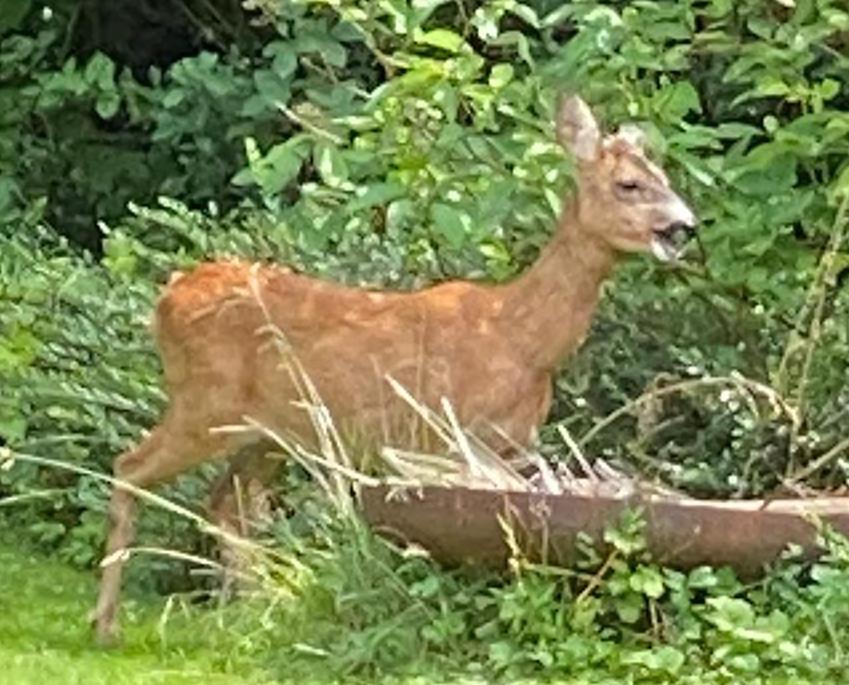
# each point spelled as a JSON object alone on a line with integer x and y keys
{"x": 490, "y": 349}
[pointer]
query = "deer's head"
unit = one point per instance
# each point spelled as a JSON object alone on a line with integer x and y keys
{"x": 623, "y": 198}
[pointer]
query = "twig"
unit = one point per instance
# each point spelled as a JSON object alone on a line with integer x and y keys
{"x": 295, "y": 118}
{"x": 814, "y": 466}
{"x": 816, "y": 292}
{"x": 708, "y": 381}
{"x": 815, "y": 303}
{"x": 596, "y": 580}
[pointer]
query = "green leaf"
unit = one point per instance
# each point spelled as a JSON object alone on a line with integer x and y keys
{"x": 451, "y": 224}
{"x": 520, "y": 40}
{"x": 100, "y": 71}
{"x": 695, "y": 167}
{"x": 243, "y": 177}
{"x": 316, "y": 40}
{"x": 770, "y": 85}
{"x": 527, "y": 14}
{"x": 18, "y": 348}
{"x": 440, "y": 38}
{"x": 401, "y": 214}
{"x": 647, "y": 581}
{"x": 666, "y": 659}
{"x": 173, "y": 98}
{"x": 252, "y": 151}
{"x": 486, "y": 19}
{"x": 273, "y": 89}
{"x": 274, "y": 170}
{"x": 402, "y": 19}
{"x": 285, "y": 63}
{"x": 744, "y": 663}
{"x": 840, "y": 186}
{"x": 284, "y": 57}
{"x": 10, "y": 195}
{"x": 330, "y": 164}
{"x": 828, "y": 89}
{"x": 503, "y": 653}
{"x": 702, "y": 577}
{"x": 500, "y": 75}
{"x": 733, "y": 130}
{"x": 837, "y": 19}
{"x": 629, "y": 607}
{"x": 496, "y": 252}
{"x": 627, "y": 536}
{"x": 278, "y": 168}
{"x": 676, "y": 101}
{"x": 13, "y": 426}
{"x": 108, "y": 104}
{"x": 427, "y": 587}
{"x": 376, "y": 194}
{"x": 767, "y": 169}
{"x": 730, "y": 613}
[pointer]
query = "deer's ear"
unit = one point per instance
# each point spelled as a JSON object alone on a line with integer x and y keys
{"x": 577, "y": 130}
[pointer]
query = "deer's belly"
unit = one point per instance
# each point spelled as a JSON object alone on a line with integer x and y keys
{"x": 387, "y": 396}
{"x": 404, "y": 405}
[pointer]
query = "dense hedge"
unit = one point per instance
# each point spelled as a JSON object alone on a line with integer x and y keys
{"x": 400, "y": 143}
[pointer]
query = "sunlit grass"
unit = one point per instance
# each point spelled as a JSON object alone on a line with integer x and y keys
{"x": 45, "y": 637}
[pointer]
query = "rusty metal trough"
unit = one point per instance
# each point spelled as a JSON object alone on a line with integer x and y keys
{"x": 461, "y": 525}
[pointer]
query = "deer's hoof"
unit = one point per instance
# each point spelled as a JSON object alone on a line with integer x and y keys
{"x": 106, "y": 630}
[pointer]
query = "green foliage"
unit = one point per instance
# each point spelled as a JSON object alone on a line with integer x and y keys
{"x": 362, "y": 609}
{"x": 81, "y": 379}
{"x": 363, "y": 614}
{"x": 400, "y": 143}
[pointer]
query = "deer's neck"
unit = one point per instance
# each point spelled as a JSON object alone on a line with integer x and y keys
{"x": 548, "y": 309}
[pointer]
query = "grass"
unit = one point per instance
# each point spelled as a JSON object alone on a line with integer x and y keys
{"x": 338, "y": 605}
{"x": 45, "y": 638}
{"x": 760, "y": 637}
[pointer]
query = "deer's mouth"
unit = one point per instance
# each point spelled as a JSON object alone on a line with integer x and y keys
{"x": 667, "y": 244}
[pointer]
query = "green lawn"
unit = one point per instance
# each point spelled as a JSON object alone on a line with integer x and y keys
{"x": 45, "y": 639}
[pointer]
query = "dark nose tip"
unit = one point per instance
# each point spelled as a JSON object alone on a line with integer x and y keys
{"x": 687, "y": 228}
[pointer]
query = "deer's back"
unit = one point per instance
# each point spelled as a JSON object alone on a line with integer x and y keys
{"x": 217, "y": 327}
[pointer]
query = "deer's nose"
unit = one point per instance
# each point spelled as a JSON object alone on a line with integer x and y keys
{"x": 681, "y": 216}
{"x": 679, "y": 227}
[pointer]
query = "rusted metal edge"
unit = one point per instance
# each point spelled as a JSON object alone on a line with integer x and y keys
{"x": 462, "y": 525}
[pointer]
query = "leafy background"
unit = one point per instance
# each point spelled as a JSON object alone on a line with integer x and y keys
{"x": 404, "y": 142}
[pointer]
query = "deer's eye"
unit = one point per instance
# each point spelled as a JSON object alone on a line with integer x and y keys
{"x": 628, "y": 186}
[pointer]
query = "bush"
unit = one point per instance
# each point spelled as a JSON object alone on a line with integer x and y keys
{"x": 403, "y": 143}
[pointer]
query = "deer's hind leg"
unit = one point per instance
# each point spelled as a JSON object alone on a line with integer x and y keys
{"x": 170, "y": 449}
{"x": 239, "y": 500}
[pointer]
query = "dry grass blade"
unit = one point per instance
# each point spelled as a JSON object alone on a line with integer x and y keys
{"x": 431, "y": 418}
{"x": 417, "y": 468}
{"x": 269, "y": 557}
{"x": 575, "y": 451}
{"x": 485, "y": 468}
{"x": 545, "y": 476}
{"x": 476, "y": 469}
{"x": 306, "y": 457}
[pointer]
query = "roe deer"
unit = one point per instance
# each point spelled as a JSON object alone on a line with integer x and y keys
{"x": 491, "y": 350}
